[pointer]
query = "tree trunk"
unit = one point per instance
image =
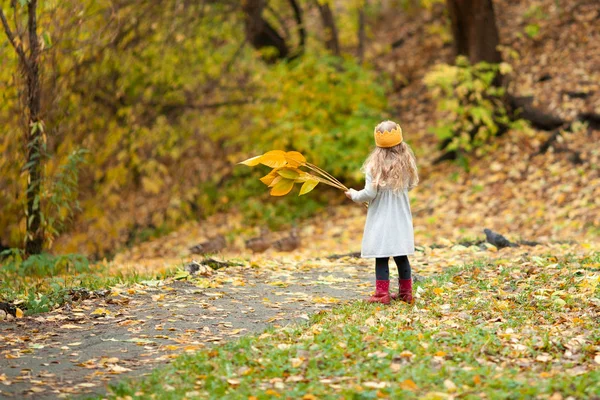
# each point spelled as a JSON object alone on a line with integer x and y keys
{"x": 331, "y": 34}
{"x": 34, "y": 239}
{"x": 299, "y": 26}
{"x": 35, "y": 139}
{"x": 260, "y": 33}
{"x": 361, "y": 33}
{"x": 474, "y": 30}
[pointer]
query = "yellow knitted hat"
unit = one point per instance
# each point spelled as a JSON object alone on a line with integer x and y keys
{"x": 388, "y": 138}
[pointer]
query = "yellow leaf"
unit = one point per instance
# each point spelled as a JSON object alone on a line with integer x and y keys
{"x": 296, "y": 362}
{"x": 19, "y": 313}
{"x": 283, "y": 187}
{"x": 438, "y": 290}
{"x": 278, "y": 283}
{"x": 325, "y": 300}
{"x": 288, "y": 173}
{"x": 451, "y": 386}
{"x": 295, "y": 158}
{"x": 273, "y": 159}
{"x": 275, "y": 180}
{"x": 151, "y": 185}
{"x": 71, "y": 326}
{"x": 409, "y": 384}
{"x": 305, "y": 176}
{"x": 251, "y": 162}
{"x": 375, "y": 385}
{"x": 268, "y": 179}
{"x": 308, "y": 186}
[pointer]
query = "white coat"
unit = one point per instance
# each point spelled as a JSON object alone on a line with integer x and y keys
{"x": 388, "y": 229}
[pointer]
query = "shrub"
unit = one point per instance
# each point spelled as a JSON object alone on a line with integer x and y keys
{"x": 325, "y": 108}
{"x": 472, "y": 104}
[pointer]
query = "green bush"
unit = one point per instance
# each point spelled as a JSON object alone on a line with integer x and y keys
{"x": 324, "y": 107}
{"x": 42, "y": 265}
{"x": 471, "y": 102}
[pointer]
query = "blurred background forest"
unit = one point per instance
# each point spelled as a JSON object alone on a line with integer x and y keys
{"x": 120, "y": 120}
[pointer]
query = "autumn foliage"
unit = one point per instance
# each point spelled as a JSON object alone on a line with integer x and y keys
{"x": 286, "y": 172}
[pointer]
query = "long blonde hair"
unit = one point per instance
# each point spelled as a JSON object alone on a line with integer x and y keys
{"x": 394, "y": 167}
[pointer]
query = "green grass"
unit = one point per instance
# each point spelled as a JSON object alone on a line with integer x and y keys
{"x": 44, "y": 282}
{"x": 519, "y": 329}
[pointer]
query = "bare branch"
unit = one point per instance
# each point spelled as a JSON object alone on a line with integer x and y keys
{"x": 299, "y": 24}
{"x": 279, "y": 19}
{"x": 11, "y": 38}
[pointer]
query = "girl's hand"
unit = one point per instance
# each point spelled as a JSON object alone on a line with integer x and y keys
{"x": 348, "y": 195}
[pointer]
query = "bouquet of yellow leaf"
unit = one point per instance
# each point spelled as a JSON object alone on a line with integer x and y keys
{"x": 286, "y": 172}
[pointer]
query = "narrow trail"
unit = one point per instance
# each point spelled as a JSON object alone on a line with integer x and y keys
{"x": 78, "y": 350}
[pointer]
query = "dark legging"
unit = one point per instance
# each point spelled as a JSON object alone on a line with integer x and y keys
{"x": 382, "y": 269}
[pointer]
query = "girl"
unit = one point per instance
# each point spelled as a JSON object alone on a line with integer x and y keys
{"x": 391, "y": 171}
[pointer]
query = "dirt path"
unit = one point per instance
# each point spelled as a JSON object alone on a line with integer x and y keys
{"x": 79, "y": 350}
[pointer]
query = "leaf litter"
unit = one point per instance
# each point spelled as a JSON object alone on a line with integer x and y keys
{"x": 546, "y": 198}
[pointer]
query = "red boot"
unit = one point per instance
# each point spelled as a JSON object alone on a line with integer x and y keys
{"x": 382, "y": 293}
{"x": 405, "y": 291}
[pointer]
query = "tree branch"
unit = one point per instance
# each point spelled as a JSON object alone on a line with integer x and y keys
{"x": 329, "y": 27}
{"x": 299, "y": 24}
{"x": 279, "y": 19}
{"x": 11, "y": 39}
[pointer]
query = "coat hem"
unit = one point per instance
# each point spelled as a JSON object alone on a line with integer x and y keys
{"x": 388, "y": 255}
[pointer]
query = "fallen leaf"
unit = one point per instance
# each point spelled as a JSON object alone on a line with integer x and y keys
{"x": 451, "y": 386}
{"x": 375, "y": 385}
{"x": 409, "y": 384}
{"x": 117, "y": 369}
{"x": 71, "y": 326}
{"x": 296, "y": 362}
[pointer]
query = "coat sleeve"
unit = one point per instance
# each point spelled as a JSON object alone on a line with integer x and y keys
{"x": 365, "y": 195}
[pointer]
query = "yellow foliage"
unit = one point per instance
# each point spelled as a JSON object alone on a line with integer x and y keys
{"x": 268, "y": 179}
{"x": 283, "y": 187}
{"x": 286, "y": 172}
{"x": 308, "y": 186}
{"x": 274, "y": 159}
{"x": 289, "y": 173}
{"x": 295, "y": 158}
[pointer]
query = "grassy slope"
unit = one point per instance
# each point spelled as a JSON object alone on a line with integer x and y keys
{"x": 504, "y": 329}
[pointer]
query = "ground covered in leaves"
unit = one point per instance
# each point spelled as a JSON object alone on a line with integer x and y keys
{"x": 530, "y": 306}
{"x": 520, "y": 322}
{"x": 132, "y": 329}
{"x": 526, "y": 326}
